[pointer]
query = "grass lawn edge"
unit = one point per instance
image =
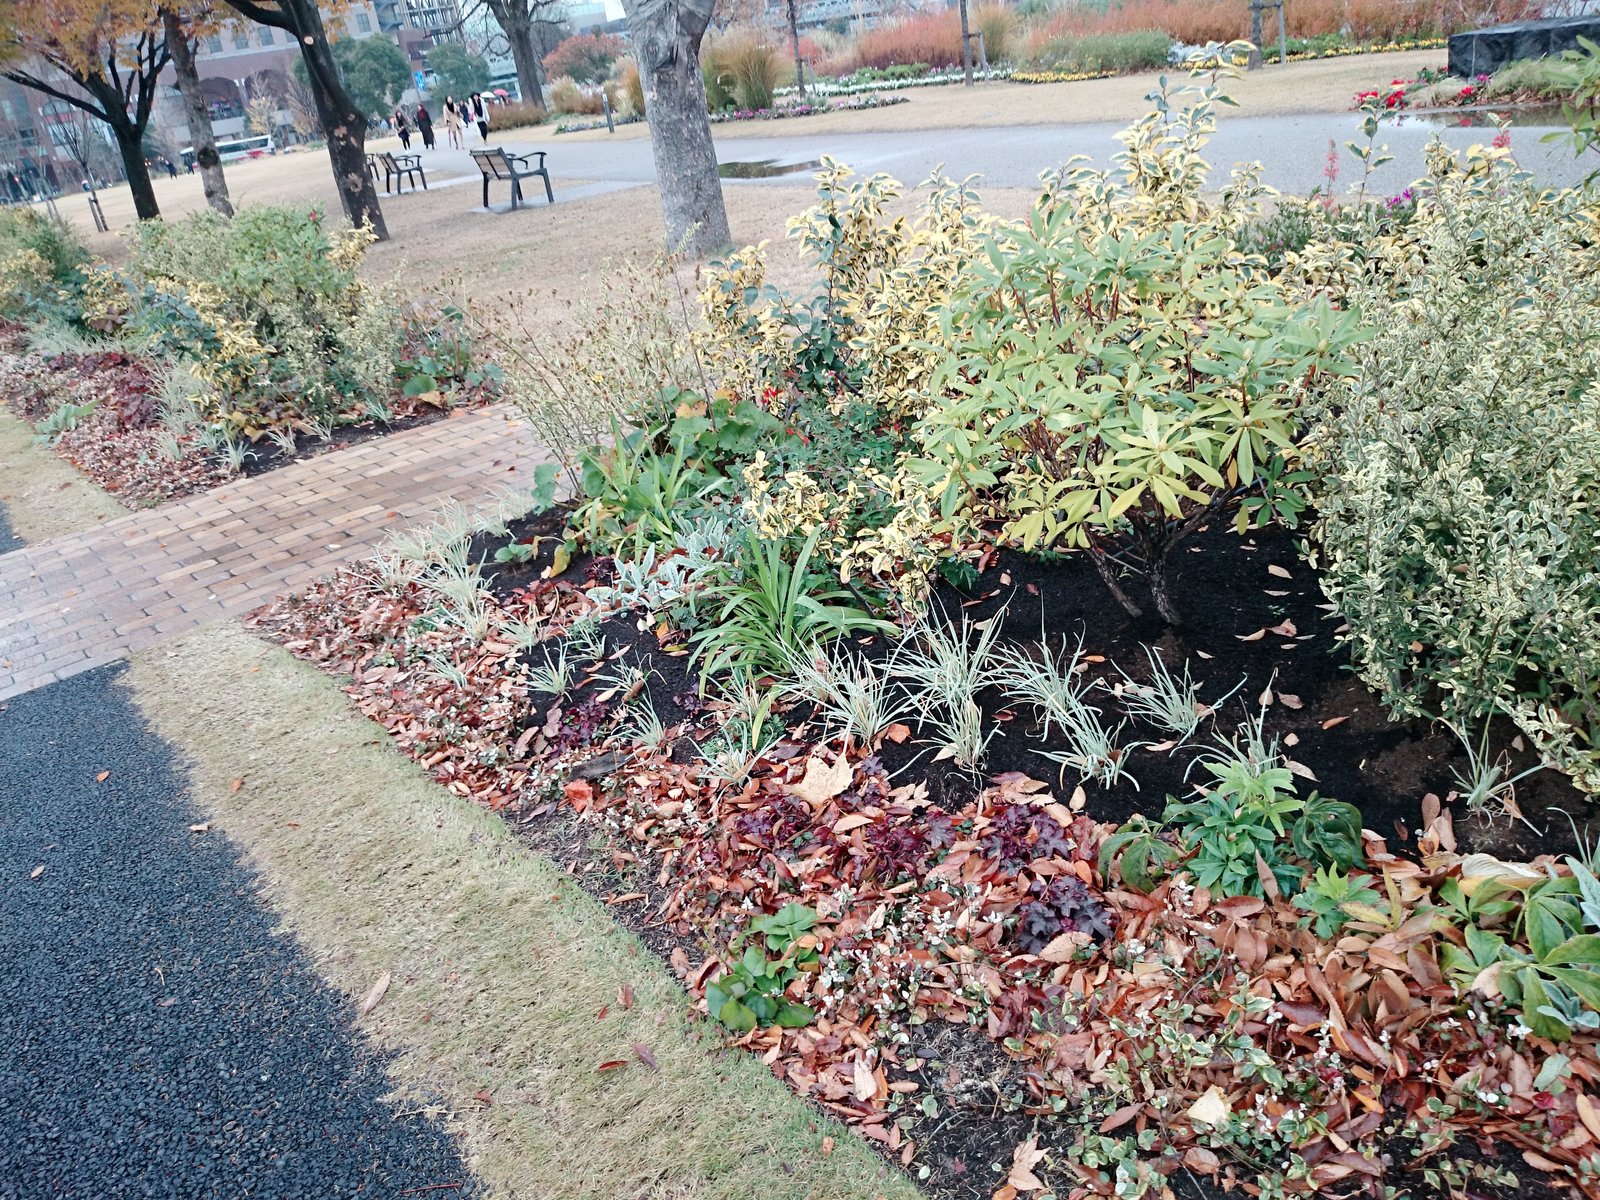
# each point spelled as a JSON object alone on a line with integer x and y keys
{"x": 43, "y": 496}
{"x": 499, "y": 965}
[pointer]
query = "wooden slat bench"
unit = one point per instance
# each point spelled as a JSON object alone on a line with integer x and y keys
{"x": 496, "y": 163}
{"x": 399, "y": 167}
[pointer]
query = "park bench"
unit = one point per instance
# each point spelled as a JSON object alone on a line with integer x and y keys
{"x": 496, "y": 163}
{"x": 400, "y": 167}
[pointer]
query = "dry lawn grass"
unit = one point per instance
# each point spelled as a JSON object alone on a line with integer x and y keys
{"x": 498, "y": 963}
{"x": 1318, "y": 86}
{"x": 43, "y": 496}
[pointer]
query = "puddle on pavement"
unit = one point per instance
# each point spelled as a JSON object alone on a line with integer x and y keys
{"x": 1541, "y": 116}
{"x": 766, "y": 168}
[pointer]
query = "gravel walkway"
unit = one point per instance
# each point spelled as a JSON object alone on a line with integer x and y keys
{"x": 157, "y": 1038}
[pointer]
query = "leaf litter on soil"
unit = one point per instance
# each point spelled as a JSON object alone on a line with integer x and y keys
{"x": 923, "y": 875}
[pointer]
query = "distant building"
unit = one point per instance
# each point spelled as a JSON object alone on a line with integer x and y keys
{"x": 35, "y": 134}
{"x": 814, "y": 14}
{"x": 246, "y": 63}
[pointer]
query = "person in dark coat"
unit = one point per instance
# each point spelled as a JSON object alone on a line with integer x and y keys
{"x": 402, "y": 128}
{"x": 425, "y": 126}
{"x": 480, "y": 114}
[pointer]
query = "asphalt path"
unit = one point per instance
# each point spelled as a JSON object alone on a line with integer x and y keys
{"x": 157, "y": 1037}
{"x": 1293, "y": 150}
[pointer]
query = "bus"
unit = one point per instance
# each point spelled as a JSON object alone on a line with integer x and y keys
{"x": 233, "y": 149}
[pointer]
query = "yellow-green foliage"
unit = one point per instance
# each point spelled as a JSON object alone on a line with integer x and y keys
{"x": 1118, "y": 370}
{"x": 899, "y": 553}
{"x": 39, "y": 258}
{"x": 884, "y": 280}
{"x": 1459, "y": 471}
{"x": 267, "y": 308}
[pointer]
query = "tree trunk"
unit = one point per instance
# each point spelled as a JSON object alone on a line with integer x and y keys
{"x": 1254, "y": 62}
{"x": 194, "y": 111}
{"x": 1106, "y": 569}
{"x": 530, "y": 72}
{"x": 794, "y": 40}
{"x": 966, "y": 44}
{"x": 343, "y": 126}
{"x": 130, "y": 142}
{"x": 666, "y": 38}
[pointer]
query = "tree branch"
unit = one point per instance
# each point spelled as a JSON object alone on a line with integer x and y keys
{"x": 16, "y": 75}
{"x": 278, "y": 18}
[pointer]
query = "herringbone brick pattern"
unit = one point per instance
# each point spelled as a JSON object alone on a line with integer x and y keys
{"x": 79, "y": 602}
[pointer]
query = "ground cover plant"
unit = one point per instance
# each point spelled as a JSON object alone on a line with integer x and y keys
{"x": 1041, "y": 894}
{"x": 223, "y": 346}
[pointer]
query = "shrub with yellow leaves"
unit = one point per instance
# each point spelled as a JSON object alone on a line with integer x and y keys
{"x": 865, "y": 339}
{"x": 267, "y": 309}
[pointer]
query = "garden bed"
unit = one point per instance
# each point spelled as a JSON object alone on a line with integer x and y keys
{"x": 119, "y": 441}
{"x": 947, "y": 1103}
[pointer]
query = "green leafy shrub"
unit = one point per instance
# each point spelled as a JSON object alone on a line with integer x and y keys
{"x": 270, "y": 312}
{"x": 1333, "y": 898}
{"x": 1540, "y": 947}
{"x": 1119, "y": 373}
{"x": 1459, "y": 494}
{"x": 41, "y": 265}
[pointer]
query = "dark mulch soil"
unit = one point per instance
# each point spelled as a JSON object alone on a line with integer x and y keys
{"x": 1229, "y": 597}
{"x": 267, "y": 455}
{"x": 1229, "y": 594}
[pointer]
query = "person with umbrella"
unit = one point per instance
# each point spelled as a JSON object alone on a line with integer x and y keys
{"x": 425, "y": 125}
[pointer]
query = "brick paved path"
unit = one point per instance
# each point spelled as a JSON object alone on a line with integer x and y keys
{"x": 78, "y": 602}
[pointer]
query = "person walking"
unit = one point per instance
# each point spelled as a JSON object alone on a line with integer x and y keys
{"x": 480, "y": 116}
{"x": 402, "y": 128}
{"x": 452, "y": 123}
{"x": 425, "y": 125}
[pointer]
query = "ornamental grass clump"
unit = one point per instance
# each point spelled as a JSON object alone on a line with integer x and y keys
{"x": 1458, "y": 495}
{"x": 1118, "y": 373}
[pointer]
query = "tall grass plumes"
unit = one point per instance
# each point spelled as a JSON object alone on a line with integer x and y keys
{"x": 745, "y": 66}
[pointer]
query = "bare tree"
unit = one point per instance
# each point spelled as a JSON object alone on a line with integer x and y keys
{"x": 794, "y": 40}
{"x": 181, "y": 46}
{"x": 528, "y": 30}
{"x": 666, "y": 40}
{"x": 343, "y": 124}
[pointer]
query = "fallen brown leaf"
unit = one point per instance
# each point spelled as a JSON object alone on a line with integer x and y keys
{"x": 102, "y": 777}
{"x": 36, "y": 872}
{"x": 1023, "y": 1159}
{"x": 1280, "y": 572}
{"x": 1251, "y": 637}
{"x": 823, "y": 781}
{"x": 611, "y": 1064}
{"x": 1331, "y": 722}
{"x": 374, "y": 994}
{"x": 233, "y": 788}
{"x": 645, "y": 1056}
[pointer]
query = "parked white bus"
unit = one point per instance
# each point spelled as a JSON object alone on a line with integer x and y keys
{"x": 233, "y": 149}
